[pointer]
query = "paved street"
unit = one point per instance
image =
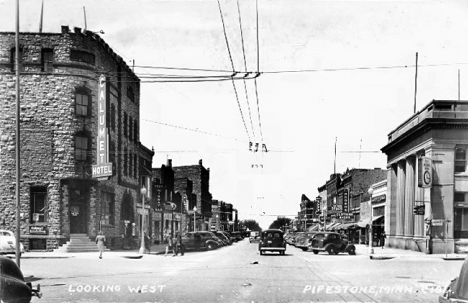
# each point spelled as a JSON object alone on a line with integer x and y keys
{"x": 231, "y": 274}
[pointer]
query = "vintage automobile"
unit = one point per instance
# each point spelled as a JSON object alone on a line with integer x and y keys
{"x": 226, "y": 240}
{"x": 254, "y": 236}
{"x": 303, "y": 241}
{"x": 13, "y": 287}
{"x": 457, "y": 290}
{"x": 199, "y": 240}
{"x": 8, "y": 242}
{"x": 238, "y": 235}
{"x": 272, "y": 240}
{"x": 332, "y": 243}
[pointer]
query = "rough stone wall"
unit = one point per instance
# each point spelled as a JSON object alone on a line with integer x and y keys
{"x": 49, "y": 126}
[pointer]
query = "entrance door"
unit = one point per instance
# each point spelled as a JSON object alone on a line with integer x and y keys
{"x": 78, "y": 211}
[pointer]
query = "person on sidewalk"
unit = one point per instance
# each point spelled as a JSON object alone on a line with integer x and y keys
{"x": 178, "y": 245}
{"x": 101, "y": 243}
{"x": 168, "y": 240}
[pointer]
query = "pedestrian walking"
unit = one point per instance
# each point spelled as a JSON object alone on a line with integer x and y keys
{"x": 147, "y": 243}
{"x": 101, "y": 243}
{"x": 168, "y": 239}
{"x": 178, "y": 245}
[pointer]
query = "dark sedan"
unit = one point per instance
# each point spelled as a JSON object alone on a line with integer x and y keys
{"x": 13, "y": 287}
{"x": 272, "y": 240}
{"x": 200, "y": 240}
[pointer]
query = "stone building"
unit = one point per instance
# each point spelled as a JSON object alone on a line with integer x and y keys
{"x": 437, "y": 135}
{"x": 62, "y": 98}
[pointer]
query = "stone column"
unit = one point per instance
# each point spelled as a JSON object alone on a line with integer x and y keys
{"x": 419, "y": 200}
{"x": 390, "y": 206}
{"x": 400, "y": 199}
{"x": 409, "y": 202}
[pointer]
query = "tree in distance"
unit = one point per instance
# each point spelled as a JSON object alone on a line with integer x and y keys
{"x": 251, "y": 224}
{"x": 281, "y": 223}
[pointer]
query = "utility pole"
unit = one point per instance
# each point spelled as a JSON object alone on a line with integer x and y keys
{"x": 18, "y": 150}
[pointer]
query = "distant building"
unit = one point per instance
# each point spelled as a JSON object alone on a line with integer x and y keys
{"x": 439, "y": 132}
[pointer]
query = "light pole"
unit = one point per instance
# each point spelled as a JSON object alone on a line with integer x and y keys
{"x": 142, "y": 246}
{"x": 194, "y": 218}
{"x": 370, "y": 191}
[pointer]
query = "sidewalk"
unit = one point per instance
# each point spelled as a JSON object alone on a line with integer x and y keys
{"x": 391, "y": 253}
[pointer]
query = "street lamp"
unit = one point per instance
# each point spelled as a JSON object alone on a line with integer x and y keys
{"x": 194, "y": 218}
{"x": 143, "y": 193}
{"x": 370, "y": 191}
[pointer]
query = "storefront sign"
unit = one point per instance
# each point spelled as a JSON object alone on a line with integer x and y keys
{"x": 345, "y": 201}
{"x": 38, "y": 230}
{"x": 102, "y": 169}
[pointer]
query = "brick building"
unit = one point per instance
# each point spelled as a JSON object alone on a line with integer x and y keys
{"x": 59, "y": 133}
{"x": 201, "y": 196}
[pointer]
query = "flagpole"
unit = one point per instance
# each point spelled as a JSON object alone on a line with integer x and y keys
{"x": 17, "y": 63}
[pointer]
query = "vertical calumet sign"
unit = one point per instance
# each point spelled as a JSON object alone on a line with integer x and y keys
{"x": 102, "y": 169}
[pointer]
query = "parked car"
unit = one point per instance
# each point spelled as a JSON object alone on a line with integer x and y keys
{"x": 457, "y": 290}
{"x": 296, "y": 237}
{"x": 200, "y": 240}
{"x": 8, "y": 242}
{"x": 272, "y": 240}
{"x": 303, "y": 242}
{"x": 13, "y": 287}
{"x": 332, "y": 243}
{"x": 237, "y": 235}
{"x": 288, "y": 237}
{"x": 226, "y": 240}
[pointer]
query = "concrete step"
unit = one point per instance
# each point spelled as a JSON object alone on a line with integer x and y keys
{"x": 78, "y": 243}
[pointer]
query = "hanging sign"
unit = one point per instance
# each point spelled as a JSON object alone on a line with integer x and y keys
{"x": 424, "y": 172}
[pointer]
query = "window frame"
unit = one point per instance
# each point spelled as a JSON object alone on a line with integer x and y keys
{"x": 462, "y": 161}
{"x": 107, "y": 208}
{"x": 47, "y": 66}
{"x": 36, "y": 191}
{"x": 82, "y": 56}
{"x": 79, "y": 138}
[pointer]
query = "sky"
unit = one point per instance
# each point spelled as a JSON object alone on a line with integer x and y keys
{"x": 335, "y": 75}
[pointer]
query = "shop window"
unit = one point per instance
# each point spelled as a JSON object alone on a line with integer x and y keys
{"x": 81, "y": 148}
{"x": 13, "y": 59}
{"x": 460, "y": 160}
{"x": 47, "y": 60}
{"x": 460, "y": 197}
{"x": 461, "y": 223}
{"x": 82, "y": 56}
{"x": 37, "y": 244}
{"x": 37, "y": 204}
{"x": 82, "y": 102}
{"x": 107, "y": 208}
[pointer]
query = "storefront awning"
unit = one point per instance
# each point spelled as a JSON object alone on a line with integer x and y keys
{"x": 348, "y": 226}
{"x": 331, "y": 225}
{"x": 365, "y": 222}
{"x": 313, "y": 228}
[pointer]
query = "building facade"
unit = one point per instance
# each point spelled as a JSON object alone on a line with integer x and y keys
{"x": 438, "y": 133}
{"x": 60, "y": 85}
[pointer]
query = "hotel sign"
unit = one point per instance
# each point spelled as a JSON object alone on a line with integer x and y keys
{"x": 102, "y": 169}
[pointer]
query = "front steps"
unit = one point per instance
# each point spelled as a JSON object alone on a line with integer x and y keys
{"x": 78, "y": 243}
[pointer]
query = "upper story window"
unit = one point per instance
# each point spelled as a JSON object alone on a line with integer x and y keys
{"x": 113, "y": 117}
{"x": 125, "y": 124}
{"x": 130, "y": 94}
{"x": 82, "y": 102}
{"x": 135, "y": 131}
{"x": 125, "y": 167}
{"x": 13, "y": 59}
{"x": 81, "y": 147}
{"x": 47, "y": 60}
{"x": 460, "y": 160}
{"x": 82, "y": 56}
{"x": 130, "y": 131}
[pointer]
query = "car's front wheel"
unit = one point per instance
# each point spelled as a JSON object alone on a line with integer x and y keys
{"x": 352, "y": 251}
{"x": 331, "y": 250}
{"x": 315, "y": 252}
{"x": 211, "y": 246}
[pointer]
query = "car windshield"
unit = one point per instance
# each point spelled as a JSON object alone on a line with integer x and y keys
{"x": 319, "y": 236}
